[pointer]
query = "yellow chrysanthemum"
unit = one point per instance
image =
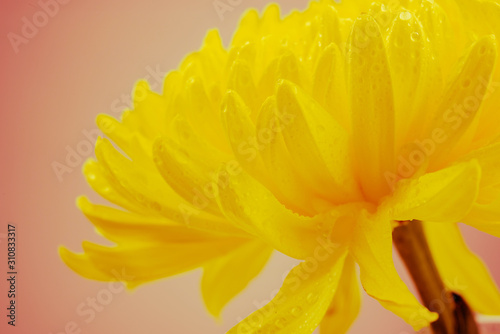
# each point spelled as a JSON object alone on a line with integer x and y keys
{"x": 314, "y": 135}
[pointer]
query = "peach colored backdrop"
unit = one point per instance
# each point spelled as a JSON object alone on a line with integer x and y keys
{"x": 77, "y": 63}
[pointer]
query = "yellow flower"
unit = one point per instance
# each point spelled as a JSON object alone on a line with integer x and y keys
{"x": 314, "y": 135}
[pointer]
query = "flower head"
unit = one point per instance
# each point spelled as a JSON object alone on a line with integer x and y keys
{"x": 314, "y": 135}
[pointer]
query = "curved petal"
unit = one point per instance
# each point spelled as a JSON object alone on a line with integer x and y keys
{"x": 444, "y": 196}
{"x": 144, "y": 263}
{"x": 301, "y": 302}
{"x": 227, "y": 276}
{"x": 146, "y": 188}
{"x": 485, "y": 217}
{"x": 189, "y": 175}
{"x": 488, "y": 158}
{"x": 292, "y": 190}
{"x": 317, "y": 144}
{"x": 122, "y": 226}
{"x": 416, "y": 91}
{"x": 255, "y": 209}
{"x": 372, "y": 106}
{"x": 372, "y": 249}
{"x": 462, "y": 271}
{"x": 456, "y": 116}
{"x": 346, "y": 303}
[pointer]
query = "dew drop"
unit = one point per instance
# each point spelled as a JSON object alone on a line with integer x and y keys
{"x": 415, "y": 36}
{"x": 280, "y": 323}
{"x": 311, "y": 298}
{"x": 405, "y": 16}
{"x": 296, "y": 311}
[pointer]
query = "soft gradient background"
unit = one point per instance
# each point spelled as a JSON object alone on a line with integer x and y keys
{"x": 88, "y": 55}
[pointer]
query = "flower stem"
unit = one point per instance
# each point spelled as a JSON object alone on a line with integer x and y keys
{"x": 455, "y": 316}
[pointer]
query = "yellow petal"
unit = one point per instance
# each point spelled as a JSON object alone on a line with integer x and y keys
{"x": 80, "y": 263}
{"x": 301, "y": 302}
{"x": 242, "y": 135}
{"x": 435, "y": 22}
{"x": 103, "y": 183}
{"x": 415, "y": 76}
{"x": 144, "y": 263}
{"x": 461, "y": 270}
{"x": 444, "y": 196}
{"x": 241, "y": 81}
{"x": 346, "y": 303}
{"x": 122, "y": 227}
{"x": 329, "y": 87}
{"x": 485, "y": 216}
{"x": 143, "y": 187}
{"x": 317, "y": 144}
{"x": 189, "y": 175}
{"x": 372, "y": 106}
{"x": 227, "y": 276}
{"x": 255, "y": 209}
{"x": 488, "y": 158}
{"x": 290, "y": 188}
{"x": 201, "y": 109}
{"x": 150, "y": 111}
{"x": 247, "y": 29}
{"x": 462, "y": 100}
{"x": 372, "y": 249}
{"x": 489, "y": 227}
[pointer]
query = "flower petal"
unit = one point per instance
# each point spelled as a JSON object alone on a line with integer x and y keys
{"x": 255, "y": 209}
{"x": 318, "y": 145}
{"x": 144, "y": 263}
{"x": 122, "y": 227}
{"x": 488, "y": 158}
{"x": 462, "y": 271}
{"x": 372, "y": 106}
{"x": 301, "y": 302}
{"x": 329, "y": 87}
{"x": 415, "y": 74}
{"x": 346, "y": 303}
{"x": 227, "y": 276}
{"x": 242, "y": 135}
{"x": 456, "y": 114}
{"x": 290, "y": 188}
{"x": 187, "y": 174}
{"x": 443, "y": 196}
{"x": 372, "y": 249}
{"x": 485, "y": 217}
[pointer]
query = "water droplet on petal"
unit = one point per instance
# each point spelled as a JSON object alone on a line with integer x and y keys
{"x": 405, "y": 16}
{"x": 311, "y": 297}
{"x": 296, "y": 311}
{"x": 280, "y": 323}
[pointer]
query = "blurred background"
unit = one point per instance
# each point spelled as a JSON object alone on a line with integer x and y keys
{"x": 61, "y": 66}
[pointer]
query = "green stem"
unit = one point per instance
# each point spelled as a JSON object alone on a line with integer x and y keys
{"x": 455, "y": 316}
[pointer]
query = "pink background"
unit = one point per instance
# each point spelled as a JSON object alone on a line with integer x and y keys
{"x": 83, "y": 59}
